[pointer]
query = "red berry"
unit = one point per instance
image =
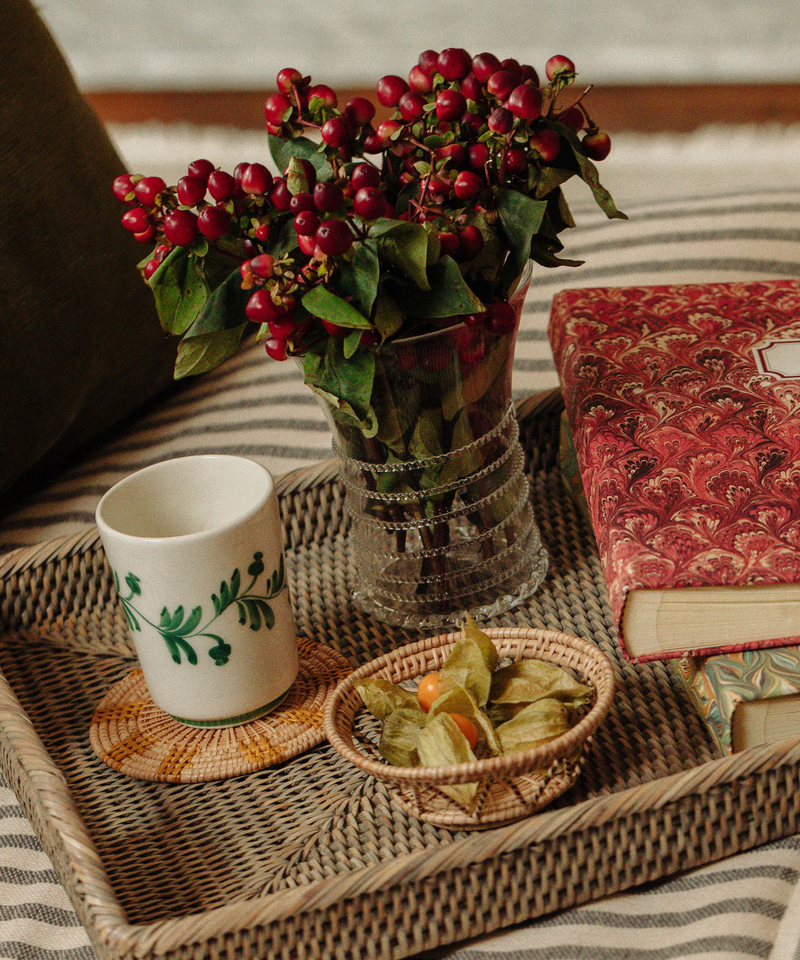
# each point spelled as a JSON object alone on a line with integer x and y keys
{"x": 136, "y": 220}
{"x": 449, "y": 244}
{"x": 501, "y": 120}
{"x": 500, "y": 84}
{"x": 470, "y": 242}
{"x": 282, "y": 326}
{"x": 501, "y": 318}
{"x": 369, "y": 338}
{"x": 468, "y": 185}
{"x": 213, "y": 222}
{"x": 190, "y": 190}
{"x": 369, "y": 203}
{"x": 333, "y": 328}
{"x": 221, "y": 185}
{"x": 477, "y": 155}
{"x": 256, "y": 179}
{"x": 150, "y": 268}
{"x": 260, "y": 307}
{"x": 359, "y": 111}
{"x": 514, "y": 68}
{"x": 287, "y": 78}
{"x": 529, "y": 73}
{"x": 122, "y": 187}
{"x": 573, "y": 117}
{"x": 560, "y": 67}
{"x": 428, "y": 62}
{"x": 147, "y": 190}
{"x": 324, "y": 94}
{"x": 418, "y": 81}
{"x": 474, "y": 319}
{"x": 411, "y": 106}
{"x": 180, "y": 228}
{"x": 385, "y": 131}
{"x": 390, "y": 89}
{"x": 328, "y": 197}
{"x": 336, "y": 132}
{"x": 279, "y": 195}
{"x": 455, "y": 153}
{"x": 546, "y": 145}
{"x": 263, "y": 231}
{"x": 262, "y": 266}
{"x": 471, "y": 87}
{"x": 450, "y": 105}
{"x": 306, "y": 223}
{"x": 201, "y": 169}
{"x": 334, "y": 237}
{"x": 307, "y": 244}
{"x": 516, "y": 162}
{"x": 484, "y": 65}
{"x": 525, "y": 101}
{"x": 276, "y": 349}
{"x": 596, "y": 146}
{"x": 365, "y": 175}
{"x": 454, "y": 63}
{"x": 277, "y": 109}
{"x": 300, "y": 202}
{"x": 146, "y": 236}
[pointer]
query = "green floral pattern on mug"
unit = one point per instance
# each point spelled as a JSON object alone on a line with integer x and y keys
{"x": 178, "y": 629}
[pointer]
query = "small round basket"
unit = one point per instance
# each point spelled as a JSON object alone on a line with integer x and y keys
{"x": 511, "y": 786}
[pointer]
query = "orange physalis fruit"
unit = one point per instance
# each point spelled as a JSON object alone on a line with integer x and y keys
{"x": 467, "y": 727}
{"x": 428, "y": 690}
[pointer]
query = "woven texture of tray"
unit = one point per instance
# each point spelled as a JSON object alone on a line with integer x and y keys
{"x": 310, "y": 858}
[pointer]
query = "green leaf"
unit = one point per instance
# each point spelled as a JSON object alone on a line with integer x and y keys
{"x": 223, "y": 309}
{"x": 521, "y": 217}
{"x": 179, "y": 290}
{"x": 187, "y": 648}
{"x": 204, "y": 353}
{"x": 221, "y": 652}
{"x": 357, "y": 281}
{"x": 449, "y": 293}
{"x": 282, "y": 152}
{"x": 534, "y": 725}
{"x": 388, "y": 317}
{"x": 405, "y": 245}
{"x": 345, "y": 383}
{"x": 325, "y": 304}
{"x": 352, "y": 341}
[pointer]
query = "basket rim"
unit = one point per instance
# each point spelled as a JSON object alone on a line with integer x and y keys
{"x": 488, "y": 768}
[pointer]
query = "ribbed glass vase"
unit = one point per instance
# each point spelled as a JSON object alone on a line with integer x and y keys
{"x": 442, "y": 519}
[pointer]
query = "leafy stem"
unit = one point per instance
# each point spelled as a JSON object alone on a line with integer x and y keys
{"x": 177, "y": 629}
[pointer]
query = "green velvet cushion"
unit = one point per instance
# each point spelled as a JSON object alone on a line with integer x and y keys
{"x": 80, "y": 344}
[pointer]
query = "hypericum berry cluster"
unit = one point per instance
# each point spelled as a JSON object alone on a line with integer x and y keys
{"x": 461, "y": 128}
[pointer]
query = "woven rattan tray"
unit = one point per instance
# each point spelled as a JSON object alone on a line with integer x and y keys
{"x": 310, "y": 859}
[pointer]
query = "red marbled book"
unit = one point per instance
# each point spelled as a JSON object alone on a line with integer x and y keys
{"x": 684, "y": 407}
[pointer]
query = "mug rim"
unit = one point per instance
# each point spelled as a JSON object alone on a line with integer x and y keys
{"x": 169, "y": 463}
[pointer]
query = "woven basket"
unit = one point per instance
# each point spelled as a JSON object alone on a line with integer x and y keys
{"x": 510, "y": 786}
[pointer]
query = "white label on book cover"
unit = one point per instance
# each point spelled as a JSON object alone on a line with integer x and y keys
{"x": 779, "y": 358}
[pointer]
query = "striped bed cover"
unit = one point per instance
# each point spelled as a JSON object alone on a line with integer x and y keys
{"x": 744, "y": 907}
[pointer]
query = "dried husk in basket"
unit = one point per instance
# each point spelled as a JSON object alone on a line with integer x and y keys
{"x": 511, "y": 786}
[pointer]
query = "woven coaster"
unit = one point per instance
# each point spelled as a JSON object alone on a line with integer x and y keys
{"x": 135, "y": 737}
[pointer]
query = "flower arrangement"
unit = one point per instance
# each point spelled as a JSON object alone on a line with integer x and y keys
{"x": 371, "y": 232}
{"x": 373, "y": 236}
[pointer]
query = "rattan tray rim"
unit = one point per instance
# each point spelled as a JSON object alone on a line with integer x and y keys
{"x": 47, "y": 800}
{"x": 100, "y": 910}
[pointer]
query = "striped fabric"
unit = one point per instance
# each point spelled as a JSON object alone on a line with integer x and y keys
{"x": 746, "y": 907}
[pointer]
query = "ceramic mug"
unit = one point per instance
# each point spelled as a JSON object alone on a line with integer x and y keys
{"x": 195, "y": 547}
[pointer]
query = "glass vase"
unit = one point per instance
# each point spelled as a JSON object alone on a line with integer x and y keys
{"x": 442, "y": 519}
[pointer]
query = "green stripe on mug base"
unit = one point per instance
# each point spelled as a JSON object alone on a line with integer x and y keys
{"x": 233, "y": 721}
